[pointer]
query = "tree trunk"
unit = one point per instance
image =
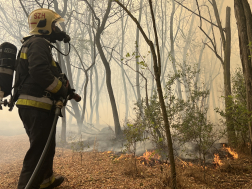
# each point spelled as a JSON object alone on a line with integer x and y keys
{"x": 227, "y": 81}
{"x": 123, "y": 71}
{"x": 91, "y": 98}
{"x": 226, "y": 43}
{"x": 137, "y": 54}
{"x": 185, "y": 49}
{"x": 157, "y": 72}
{"x": 66, "y": 67}
{"x": 244, "y": 24}
{"x": 173, "y": 50}
{"x": 97, "y": 97}
{"x": 108, "y": 72}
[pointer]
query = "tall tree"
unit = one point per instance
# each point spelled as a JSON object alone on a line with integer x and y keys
{"x": 137, "y": 53}
{"x": 173, "y": 48}
{"x": 123, "y": 28}
{"x": 100, "y": 29}
{"x": 244, "y": 23}
{"x": 66, "y": 64}
{"x": 157, "y": 72}
{"x": 226, "y": 45}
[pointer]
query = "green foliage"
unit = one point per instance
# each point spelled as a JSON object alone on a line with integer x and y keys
{"x": 133, "y": 133}
{"x": 78, "y": 146}
{"x": 136, "y": 55}
{"x": 238, "y": 109}
{"x": 187, "y": 118}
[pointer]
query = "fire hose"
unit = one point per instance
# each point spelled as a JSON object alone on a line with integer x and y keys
{"x": 59, "y": 104}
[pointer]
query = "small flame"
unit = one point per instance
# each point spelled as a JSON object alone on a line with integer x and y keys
{"x": 151, "y": 154}
{"x": 232, "y": 152}
{"x": 149, "y": 158}
{"x": 217, "y": 160}
{"x": 203, "y": 167}
{"x": 190, "y": 164}
{"x": 124, "y": 157}
{"x": 186, "y": 164}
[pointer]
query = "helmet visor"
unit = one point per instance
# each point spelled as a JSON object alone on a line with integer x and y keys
{"x": 56, "y": 25}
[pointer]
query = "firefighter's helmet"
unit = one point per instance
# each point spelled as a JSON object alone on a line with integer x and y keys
{"x": 41, "y": 20}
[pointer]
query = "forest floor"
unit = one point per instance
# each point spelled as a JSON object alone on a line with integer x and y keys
{"x": 95, "y": 169}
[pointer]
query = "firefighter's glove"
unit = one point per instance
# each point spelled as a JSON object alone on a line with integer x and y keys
{"x": 63, "y": 92}
{"x": 59, "y": 104}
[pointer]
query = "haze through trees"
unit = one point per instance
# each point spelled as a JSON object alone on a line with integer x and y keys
{"x": 108, "y": 50}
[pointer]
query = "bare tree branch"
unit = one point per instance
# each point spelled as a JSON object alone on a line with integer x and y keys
{"x": 43, "y": 3}
{"x": 70, "y": 112}
{"x": 93, "y": 13}
{"x": 219, "y": 22}
{"x": 23, "y": 8}
{"x": 135, "y": 20}
{"x": 211, "y": 26}
{"x": 39, "y": 4}
{"x": 156, "y": 36}
{"x": 197, "y": 14}
{"x": 56, "y": 7}
{"x": 218, "y": 56}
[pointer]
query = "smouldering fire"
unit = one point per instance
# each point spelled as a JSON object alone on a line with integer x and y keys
{"x": 186, "y": 164}
{"x": 124, "y": 157}
{"x": 217, "y": 160}
{"x": 232, "y": 152}
{"x": 151, "y": 154}
{"x": 149, "y": 158}
{"x": 190, "y": 164}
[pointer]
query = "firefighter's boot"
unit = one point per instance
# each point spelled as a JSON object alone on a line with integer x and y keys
{"x": 52, "y": 182}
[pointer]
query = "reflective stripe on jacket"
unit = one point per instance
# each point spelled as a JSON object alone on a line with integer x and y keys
{"x": 36, "y": 102}
{"x": 6, "y": 71}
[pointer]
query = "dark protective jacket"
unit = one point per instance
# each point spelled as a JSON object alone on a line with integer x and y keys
{"x": 37, "y": 73}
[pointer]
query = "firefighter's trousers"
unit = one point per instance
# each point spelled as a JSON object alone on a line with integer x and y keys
{"x": 37, "y": 124}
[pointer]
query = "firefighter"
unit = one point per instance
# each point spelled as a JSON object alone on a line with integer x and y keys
{"x": 37, "y": 87}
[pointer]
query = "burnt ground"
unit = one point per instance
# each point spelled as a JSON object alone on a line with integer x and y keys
{"x": 95, "y": 169}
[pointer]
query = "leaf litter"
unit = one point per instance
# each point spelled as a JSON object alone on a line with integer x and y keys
{"x": 91, "y": 170}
